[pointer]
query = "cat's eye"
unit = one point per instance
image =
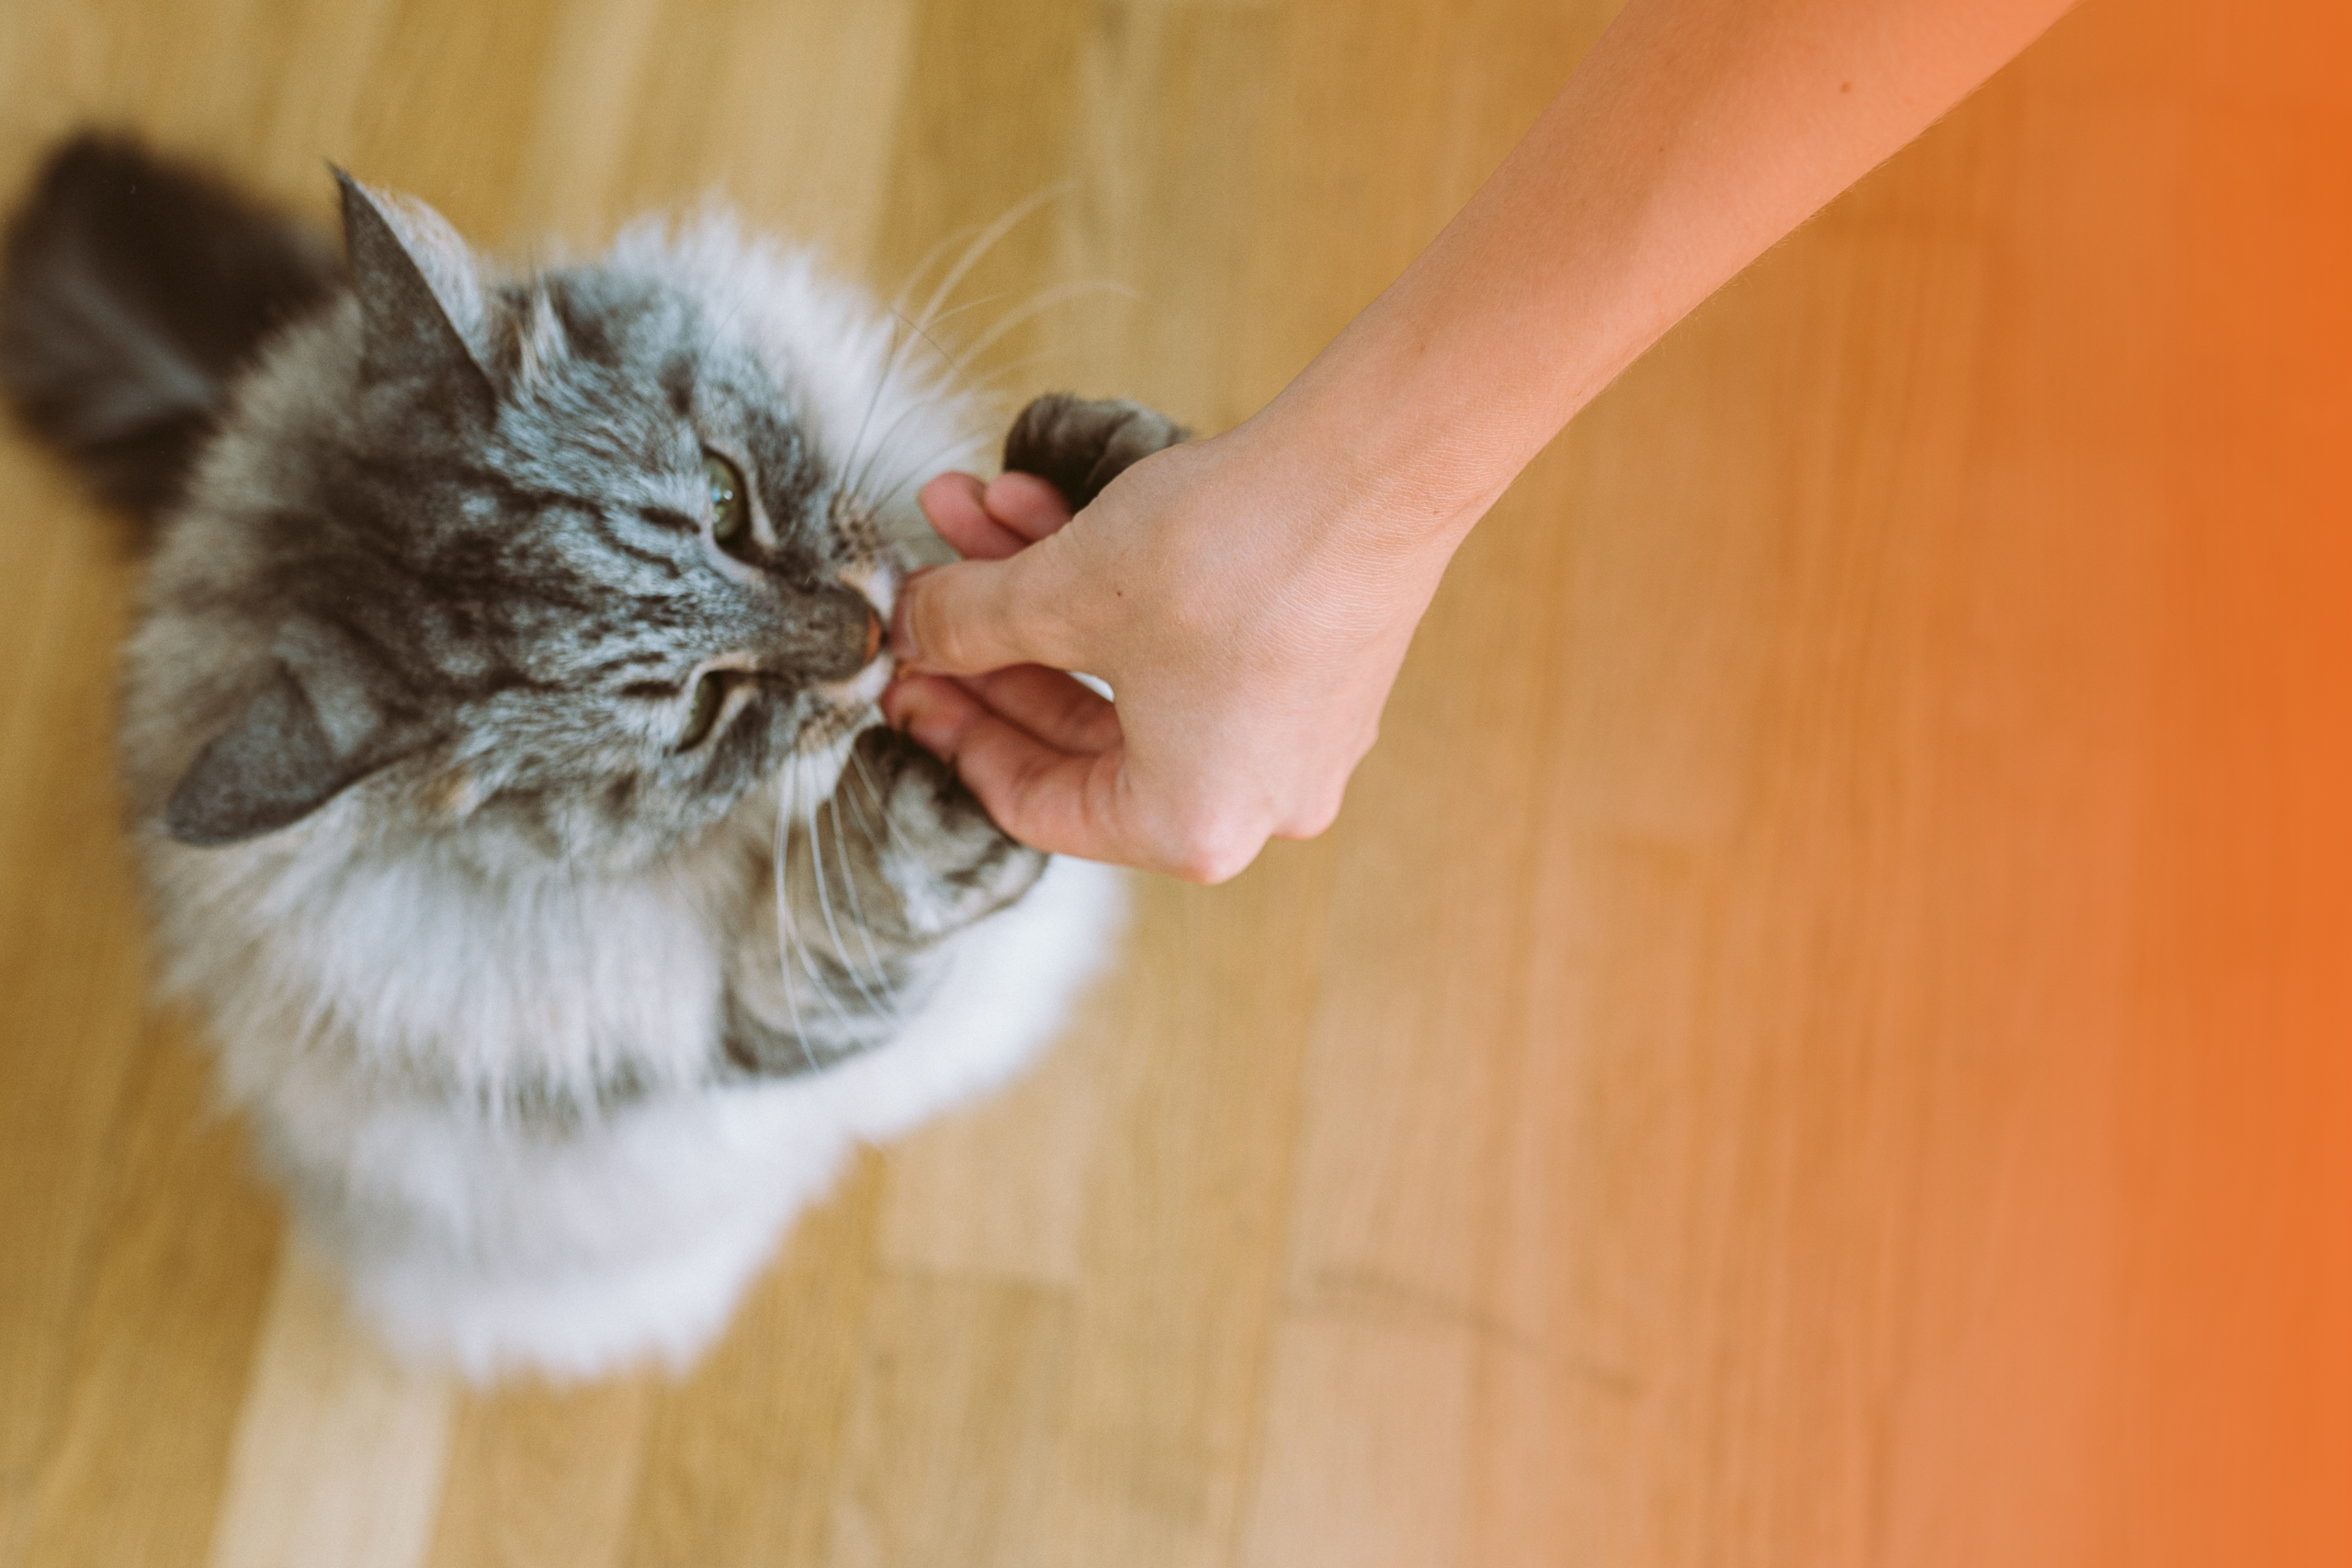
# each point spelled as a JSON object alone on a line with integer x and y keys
{"x": 710, "y": 695}
{"x": 730, "y": 507}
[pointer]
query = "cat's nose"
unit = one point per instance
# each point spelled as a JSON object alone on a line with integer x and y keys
{"x": 873, "y": 637}
{"x": 829, "y": 635}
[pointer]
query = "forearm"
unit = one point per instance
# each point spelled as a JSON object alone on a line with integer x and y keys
{"x": 1695, "y": 134}
{"x": 1251, "y": 597}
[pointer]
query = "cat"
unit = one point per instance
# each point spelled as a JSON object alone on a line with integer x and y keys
{"x": 499, "y": 739}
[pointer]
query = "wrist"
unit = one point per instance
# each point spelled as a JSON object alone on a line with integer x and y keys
{"x": 1366, "y": 472}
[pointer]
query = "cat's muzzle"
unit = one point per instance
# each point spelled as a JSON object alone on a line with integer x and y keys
{"x": 837, "y": 632}
{"x": 859, "y": 665}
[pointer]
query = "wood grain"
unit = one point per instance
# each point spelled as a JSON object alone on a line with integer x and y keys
{"x": 1817, "y": 1039}
{"x": 322, "y": 1390}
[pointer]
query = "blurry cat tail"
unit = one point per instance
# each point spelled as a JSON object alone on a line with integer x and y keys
{"x": 132, "y": 291}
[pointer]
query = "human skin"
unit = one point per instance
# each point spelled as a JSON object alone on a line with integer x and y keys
{"x": 1249, "y": 597}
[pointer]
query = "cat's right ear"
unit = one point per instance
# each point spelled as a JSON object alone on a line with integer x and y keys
{"x": 312, "y": 733}
{"x": 407, "y": 332}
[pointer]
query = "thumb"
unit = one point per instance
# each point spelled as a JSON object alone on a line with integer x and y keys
{"x": 978, "y": 615}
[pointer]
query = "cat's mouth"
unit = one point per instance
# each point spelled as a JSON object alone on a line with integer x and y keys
{"x": 876, "y": 583}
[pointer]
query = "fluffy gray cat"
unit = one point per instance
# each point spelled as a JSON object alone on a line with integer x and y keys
{"x": 499, "y": 737}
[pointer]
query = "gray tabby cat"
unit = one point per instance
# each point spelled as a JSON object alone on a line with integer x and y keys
{"x": 499, "y": 735}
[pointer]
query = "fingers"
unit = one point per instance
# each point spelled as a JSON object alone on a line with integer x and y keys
{"x": 1057, "y": 790}
{"x": 1050, "y": 706}
{"x": 1026, "y": 504}
{"x": 992, "y": 521}
{"x": 978, "y": 615}
{"x": 1045, "y": 797}
{"x": 954, "y": 505}
{"x": 970, "y": 618}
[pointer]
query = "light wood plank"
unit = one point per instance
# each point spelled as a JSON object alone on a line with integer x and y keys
{"x": 742, "y": 1459}
{"x": 76, "y": 1025}
{"x": 1366, "y": 1451}
{"x": 164, "y": 1334}
{"x": 339, "y": 1450}
{"x": 542, "y": 1477}
{"x": 1172, "y": 1323}
{"x": 789, "y": 112}
{"x": 1000, "y": 1191}
{"x": 948, "y": 1448}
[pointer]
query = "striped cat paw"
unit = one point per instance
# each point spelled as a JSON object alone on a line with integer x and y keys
{"x": 939, "y": 861}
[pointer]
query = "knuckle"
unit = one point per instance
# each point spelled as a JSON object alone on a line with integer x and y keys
{"x": 1313, "y": 820}
{"x": 1215, "y": 846}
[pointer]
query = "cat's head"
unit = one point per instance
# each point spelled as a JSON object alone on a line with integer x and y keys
{"x": 588, "y": 555}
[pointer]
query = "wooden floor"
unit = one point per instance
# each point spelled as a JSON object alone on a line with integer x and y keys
{"x": 1819, "y": 1040}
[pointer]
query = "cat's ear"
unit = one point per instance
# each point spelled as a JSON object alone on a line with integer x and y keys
{"x": 310, "y": 733}
{"x": 410, "y": 330}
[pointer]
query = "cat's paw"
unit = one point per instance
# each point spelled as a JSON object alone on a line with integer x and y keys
{"x": 1080, "y": 445}
{"x": 941, "y": 861}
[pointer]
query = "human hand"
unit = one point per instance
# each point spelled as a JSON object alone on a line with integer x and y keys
{"x": 1249, "y": 631}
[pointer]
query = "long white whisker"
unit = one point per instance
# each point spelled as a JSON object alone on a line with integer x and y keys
{"x": 972, "y": 443}
{"x": 982, "y": 388}
{"x": 873, "y": 789}
{"x": 930, "y": 315}
{"x": 997, "y": 376}
{"x": 788, "y": 788}
{"x": 882, "y": 443}
{"x": 808, "y": 954}
{"x": 874, "y": 398}
{"x": 1045, "y": 300}
{"x": 857, "y": 905}
{"x": 825, "y": 904}
{"x": 881, "y": 499}
{"x": 898, "y": 341}
{"x": 986, "y": 239}
{"x": 902, "y": 333}
{"x": 959, "y": 365}
{"x": 899, "y": 300}
{"x": 946, "y": 316}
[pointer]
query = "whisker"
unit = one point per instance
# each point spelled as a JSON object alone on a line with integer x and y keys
{"x": 946, "y": 316}
{"x": 985, "y": 241}
{"x": 1045, "y": 300}
{"x": 874, "y": 398}
{"x": 980, "y": 246}
{"x": 1005, "y": 372}
{"x": 897, "y": 308}
{"x": 808, "y": 953}
{"x": 825, "y": 904}
{"x": 881, "y": 499}
{"x": 973, "y": 445}
{"x": 882, "y": 442}
{"x": 899, "y": 300}
{"x": 981, "y": 390}
{"x": 865, "y": 777}
{"x": 784, "y": 793}
{"x": 891, "y": 365}
{"x": 857, "y": 905}
{"x": 959, "y": 365}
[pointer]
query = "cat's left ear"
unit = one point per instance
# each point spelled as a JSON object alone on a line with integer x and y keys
{"x": 418, "y": 295}
{"x": 314, "y": 730}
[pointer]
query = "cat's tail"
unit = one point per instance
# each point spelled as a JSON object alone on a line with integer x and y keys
{"x": 132, "y": 291}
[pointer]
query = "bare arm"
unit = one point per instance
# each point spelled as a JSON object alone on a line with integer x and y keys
{"x": 1250, "y": 598}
